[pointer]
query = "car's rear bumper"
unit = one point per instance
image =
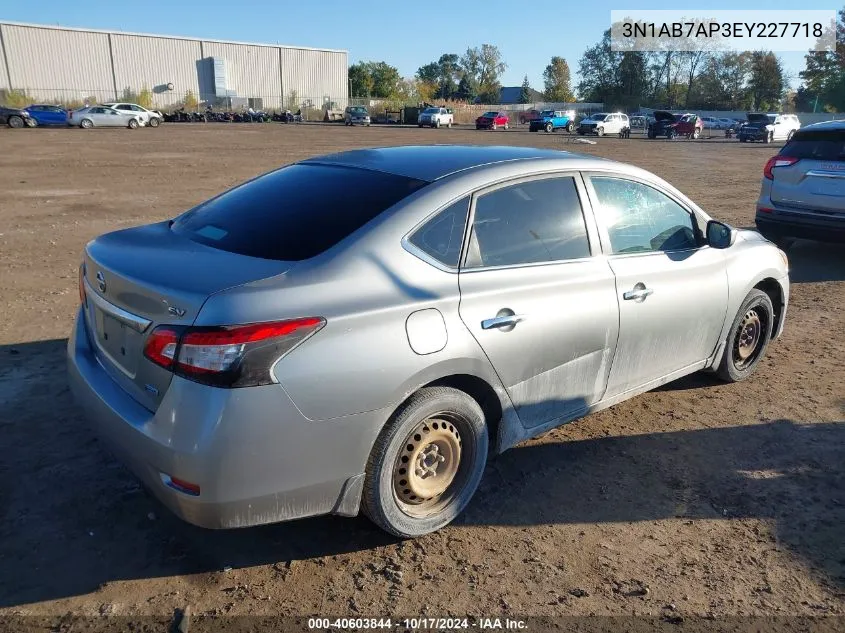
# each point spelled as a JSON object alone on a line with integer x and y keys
{"x": 254, "y": 456}
{"x": 779, "y": 223}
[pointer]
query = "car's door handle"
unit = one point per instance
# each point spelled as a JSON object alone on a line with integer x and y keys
{"x": 639, "y": 293}
{"x": 508, "y": 320}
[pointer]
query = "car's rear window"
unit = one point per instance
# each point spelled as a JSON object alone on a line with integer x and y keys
{"x": 816, "y": 145}
{"x": 294, "y": 213}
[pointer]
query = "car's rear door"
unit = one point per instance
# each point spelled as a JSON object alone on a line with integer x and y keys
{"x": 816, "y": 181}
{"x": 672, "y": 290}
{"x": 534, "y": 296}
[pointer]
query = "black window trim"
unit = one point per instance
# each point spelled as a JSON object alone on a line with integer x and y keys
{"x": 586, "y": 214}
{"x": 607, "y": 249}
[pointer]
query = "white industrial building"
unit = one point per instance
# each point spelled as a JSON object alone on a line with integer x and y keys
{"x": 53, "y": 63}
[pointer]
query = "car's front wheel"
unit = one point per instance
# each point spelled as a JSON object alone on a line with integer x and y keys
{"x": 133, "y": 124}
{"x": 426, "y": 463}
{"x": 15, "y": 121}
{"x": 154, "y": 122}
{"x": 599, "y": 131}
{"x": 748, "y": 337}
{"x": 570, "y": 127}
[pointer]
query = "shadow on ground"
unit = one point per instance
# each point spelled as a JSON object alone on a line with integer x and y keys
{"x": 73, "y": 518}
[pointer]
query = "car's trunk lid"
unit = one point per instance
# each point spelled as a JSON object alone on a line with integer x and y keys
{"x": 140, "y": 278}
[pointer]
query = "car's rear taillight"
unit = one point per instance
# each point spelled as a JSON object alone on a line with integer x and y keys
{"x": 229, "y": 355}
{"x": 777, "y": 161}
{"x": 83, "y": 298}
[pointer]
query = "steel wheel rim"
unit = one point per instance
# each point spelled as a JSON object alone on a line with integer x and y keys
{"x": 429, "y": 467}
{"x": 748, "y": 338}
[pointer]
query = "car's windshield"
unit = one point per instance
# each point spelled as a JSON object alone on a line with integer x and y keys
{"x": 601, "y": 116}
{"x": 294, "y": 213}
{"x": 431, "y": 111}
{"x": 358, "y": 110}
{"x": 547, "y": 113}
{"x": 490, "y": 115}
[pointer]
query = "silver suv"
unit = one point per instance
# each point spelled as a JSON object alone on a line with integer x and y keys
{"x": 803, "y": 189}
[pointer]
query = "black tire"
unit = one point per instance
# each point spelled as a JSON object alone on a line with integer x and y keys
{"x": 770, "y": 137}
{"x": 670, "y": 134}
{"x": 549, "y": 128}
{"x": 742, "y": 139}
{"x": 570, "y": 127}
{"x": 651, "y": 134}
{"x": 15, "y": 121}
{"x": 494, "y": 127}
{"x": 86, "y": 124}
{"x": 733, "y": 366}
{"x": 380, "y": 500}
{"x": 154, "y": 122}
{"x": 696, "y": 134}
{"x": 789, "y": 136}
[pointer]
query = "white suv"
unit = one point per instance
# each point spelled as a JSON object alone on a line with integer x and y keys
{"x": 769, "y": 127}
{"x": 604, "y": 123}
{"x": 435, "y": 117}
{"x": 152, "y": 118}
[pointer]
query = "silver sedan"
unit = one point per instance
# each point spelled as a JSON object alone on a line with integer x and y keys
{"x": 103, "y": 116}
{"x": 406, "y": 313}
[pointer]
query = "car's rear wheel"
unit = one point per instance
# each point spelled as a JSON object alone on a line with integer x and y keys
{"x": 133, "y": 123}
{"x": 570, "y": 127}
{"x": 31, "y": 123}
{"x": 549, "y": 127}
{"x": 770, "y": 137}
{"x": 696, "y": 133}
{"x": 87, "y": 124}
{"x": 154, "y": 121}
{"x": 15, "y": 121}
{"x": 748, "y": 337}
{"x": 494, "y": 127}
{"x": 426, "y": 463}
{"x": 599, "y": 131}
{"x": 505, "y": 126}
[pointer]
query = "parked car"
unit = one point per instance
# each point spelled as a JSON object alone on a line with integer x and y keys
{"x": 102, "y": 116}
{"x": 229, "y": 355}
{"x": 802, "y": 194}
{"x": 639, "y": 121}
{"x": 551, "y": 120}
{"x": 768, "y": 127}
{"x": 435, "y": 117}
{"x": 356, "y": 115}
{"x": 725, "y": 123}
{"x": 492, "y": 120}
{"x": 527, "y": 116}
{"x": 16, "y": 118}
{"x": 151, "y": 118}
{"x": 604, "y": 123}
{"x": 671, "y": 125}
{"x": 47, "y": 114}
{"x": 711, "y": 123}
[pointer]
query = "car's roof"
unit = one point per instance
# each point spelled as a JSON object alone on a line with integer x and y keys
{"x": 432, "y": 162}
{"x": 827, "y": 125}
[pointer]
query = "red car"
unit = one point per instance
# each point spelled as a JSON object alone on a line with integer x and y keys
{"x": 492, "y": 121}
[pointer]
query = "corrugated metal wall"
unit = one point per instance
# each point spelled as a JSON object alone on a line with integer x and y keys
{"x": 251, "y": 71}
{"x": 315, "y": 75}
{"x": 154, "y": 62}
{"x": 44, "y": 60}
{"x": 4, "y": 78}
{"x": 54, "y": 63}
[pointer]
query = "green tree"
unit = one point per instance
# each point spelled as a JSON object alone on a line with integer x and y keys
{"x": 190, "y": 101}
{"x": 525, "y": 92}
{"x": 617, "y": 78}
{"x": 484, "y": 66}
{"x": 467, "y": 89}
{"x": 556, "y": 79}
{"x": 767, "y": 82}
{"x": 386, "y": 80}
{"x": 824, "y": 75}
{"x": 360, "y": 80}
{"x": 145, "y": 98}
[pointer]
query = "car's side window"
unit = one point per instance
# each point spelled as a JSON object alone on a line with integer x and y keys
{"x": 442, "y": 236}
{"x": 641, "y": 219}
{"x": 530, "y": 222}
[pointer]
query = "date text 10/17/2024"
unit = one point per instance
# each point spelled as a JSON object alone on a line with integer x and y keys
{"x": 418, "y": 624}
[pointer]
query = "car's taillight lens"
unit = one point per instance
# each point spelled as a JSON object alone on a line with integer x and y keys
{"x": 229, "y": 355}
{"x": 83, "y": 298}
{"x": 777, "y": 161}
{"x": 161, "y": 346}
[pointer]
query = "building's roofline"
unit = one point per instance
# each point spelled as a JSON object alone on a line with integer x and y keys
{"x": 56, "y": 27}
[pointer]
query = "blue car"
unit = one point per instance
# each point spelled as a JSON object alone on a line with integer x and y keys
{"x": 48, "y": 114}
{"x": 551, "y": 120}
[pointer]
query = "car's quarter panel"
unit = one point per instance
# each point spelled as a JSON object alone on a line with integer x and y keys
{"x": 252, "y": 454}
{"x": 672, "y": 303}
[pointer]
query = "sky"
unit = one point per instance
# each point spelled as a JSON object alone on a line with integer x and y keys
{"x": 527, "y": 33}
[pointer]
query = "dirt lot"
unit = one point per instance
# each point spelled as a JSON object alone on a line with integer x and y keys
{"x": 697, "y": 499}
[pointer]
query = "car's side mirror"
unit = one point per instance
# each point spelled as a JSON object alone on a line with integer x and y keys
{"x": 719, "y": 235}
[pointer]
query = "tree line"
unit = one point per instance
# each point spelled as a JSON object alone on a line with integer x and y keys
{"x": 672, "y": 79}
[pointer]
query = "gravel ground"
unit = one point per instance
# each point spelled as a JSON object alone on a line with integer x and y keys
{"x": 698, "y": 499}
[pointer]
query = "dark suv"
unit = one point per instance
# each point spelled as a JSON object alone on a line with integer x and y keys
{"x": 803, "y": 189}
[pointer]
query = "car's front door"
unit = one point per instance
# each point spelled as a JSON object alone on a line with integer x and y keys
{"x": 538, "y": 302}
{"x": 672, "y": 290}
